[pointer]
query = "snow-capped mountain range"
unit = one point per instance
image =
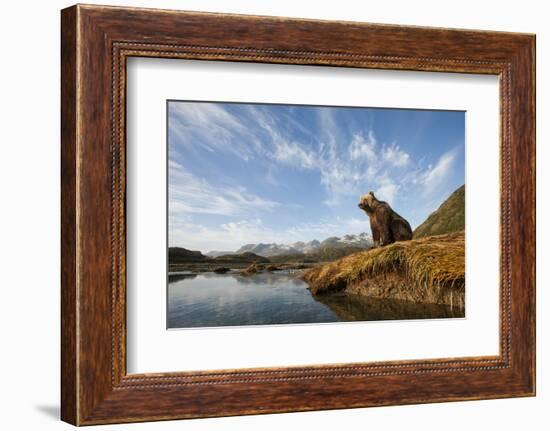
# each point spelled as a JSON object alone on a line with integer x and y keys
{"x": 362, "y": 240}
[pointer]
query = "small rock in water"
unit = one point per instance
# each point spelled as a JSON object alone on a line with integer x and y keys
{"x": 221, "y": 270}
{"x": 250, "y": 270}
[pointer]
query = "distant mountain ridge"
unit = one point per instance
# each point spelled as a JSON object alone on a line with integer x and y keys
{"x": 270, "y": 249}
{"x": 448, "y": 218}
{"x": 331, "y": 248}
{"x": 182, "y": 256}
{"x": 360, "y": 241}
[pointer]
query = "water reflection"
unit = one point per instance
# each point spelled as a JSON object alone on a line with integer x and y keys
{"x": 354, "y": 307}
{"x": 208, "y": 299}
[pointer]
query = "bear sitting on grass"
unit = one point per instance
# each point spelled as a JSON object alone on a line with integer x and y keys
{"x": 386, "y": 225}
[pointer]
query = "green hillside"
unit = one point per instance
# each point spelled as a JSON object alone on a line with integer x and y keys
{"x": 448, "y": 218}
{"x": 182, "y": 255}
{"x": 246, "y": 257}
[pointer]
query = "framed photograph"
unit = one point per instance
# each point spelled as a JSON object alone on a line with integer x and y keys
{"x": 264, "y": 215}
{"x": 252, "y": 186}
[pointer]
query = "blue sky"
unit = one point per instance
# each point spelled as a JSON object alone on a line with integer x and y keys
{"x": 248, "y": 173}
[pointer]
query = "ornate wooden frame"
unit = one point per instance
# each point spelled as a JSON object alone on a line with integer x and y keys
{"x": 95, "y": 42}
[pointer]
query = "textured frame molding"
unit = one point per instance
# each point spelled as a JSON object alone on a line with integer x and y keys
{"x": 96, "y": 41}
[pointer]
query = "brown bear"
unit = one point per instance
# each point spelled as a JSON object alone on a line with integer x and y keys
{"x": 386, "y": 225}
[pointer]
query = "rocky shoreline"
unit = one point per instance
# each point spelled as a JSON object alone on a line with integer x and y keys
{"x": 243, "y": 268}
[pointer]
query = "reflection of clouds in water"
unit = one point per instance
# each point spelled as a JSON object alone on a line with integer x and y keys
{"x": 269, "y": 279}
{"x": 232, "y": 300}
{"x": 209, "y": 300}
{"x": 272, "y": 279}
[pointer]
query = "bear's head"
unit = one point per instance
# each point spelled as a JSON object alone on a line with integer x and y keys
{"x": 367, "y": 202}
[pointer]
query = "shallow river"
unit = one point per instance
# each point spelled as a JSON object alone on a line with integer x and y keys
{"x": 209, "y": 299}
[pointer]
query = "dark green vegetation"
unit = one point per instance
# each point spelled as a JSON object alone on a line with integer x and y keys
{"x": 182, "y": 255}
{"x": 448, "y": 218}
{"x": 294, "y": 258}
{"x": 245, "y": 257}
{"x": 181, "y": 259}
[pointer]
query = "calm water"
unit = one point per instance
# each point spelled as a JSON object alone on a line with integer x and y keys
{"x": 208, "y": 299}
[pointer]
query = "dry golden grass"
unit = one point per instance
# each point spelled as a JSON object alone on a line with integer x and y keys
{"x": 432, "y": 262}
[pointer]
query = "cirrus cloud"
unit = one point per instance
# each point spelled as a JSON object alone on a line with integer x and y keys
{"x": 189, "y": 194}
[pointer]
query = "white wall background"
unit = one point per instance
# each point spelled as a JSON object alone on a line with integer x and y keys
{"x": 29, "y": 224}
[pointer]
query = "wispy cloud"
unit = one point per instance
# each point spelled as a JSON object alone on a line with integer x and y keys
{"x": 361, "y": 148}
{"x": 360, "y": 164}
{"x": 386, "y": 188}
{"x": 189, "y": 194}
{"x": 227, "y": 236}
{"x": 349, "y": 161}
{"x": 210, "y": 126}
{"x": 436, "y": 175}
{"x": 293, "y": 154}
{"x": 395, "y": 156}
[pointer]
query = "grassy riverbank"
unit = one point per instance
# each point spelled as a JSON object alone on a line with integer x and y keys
{"x": 427, "y": 270}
